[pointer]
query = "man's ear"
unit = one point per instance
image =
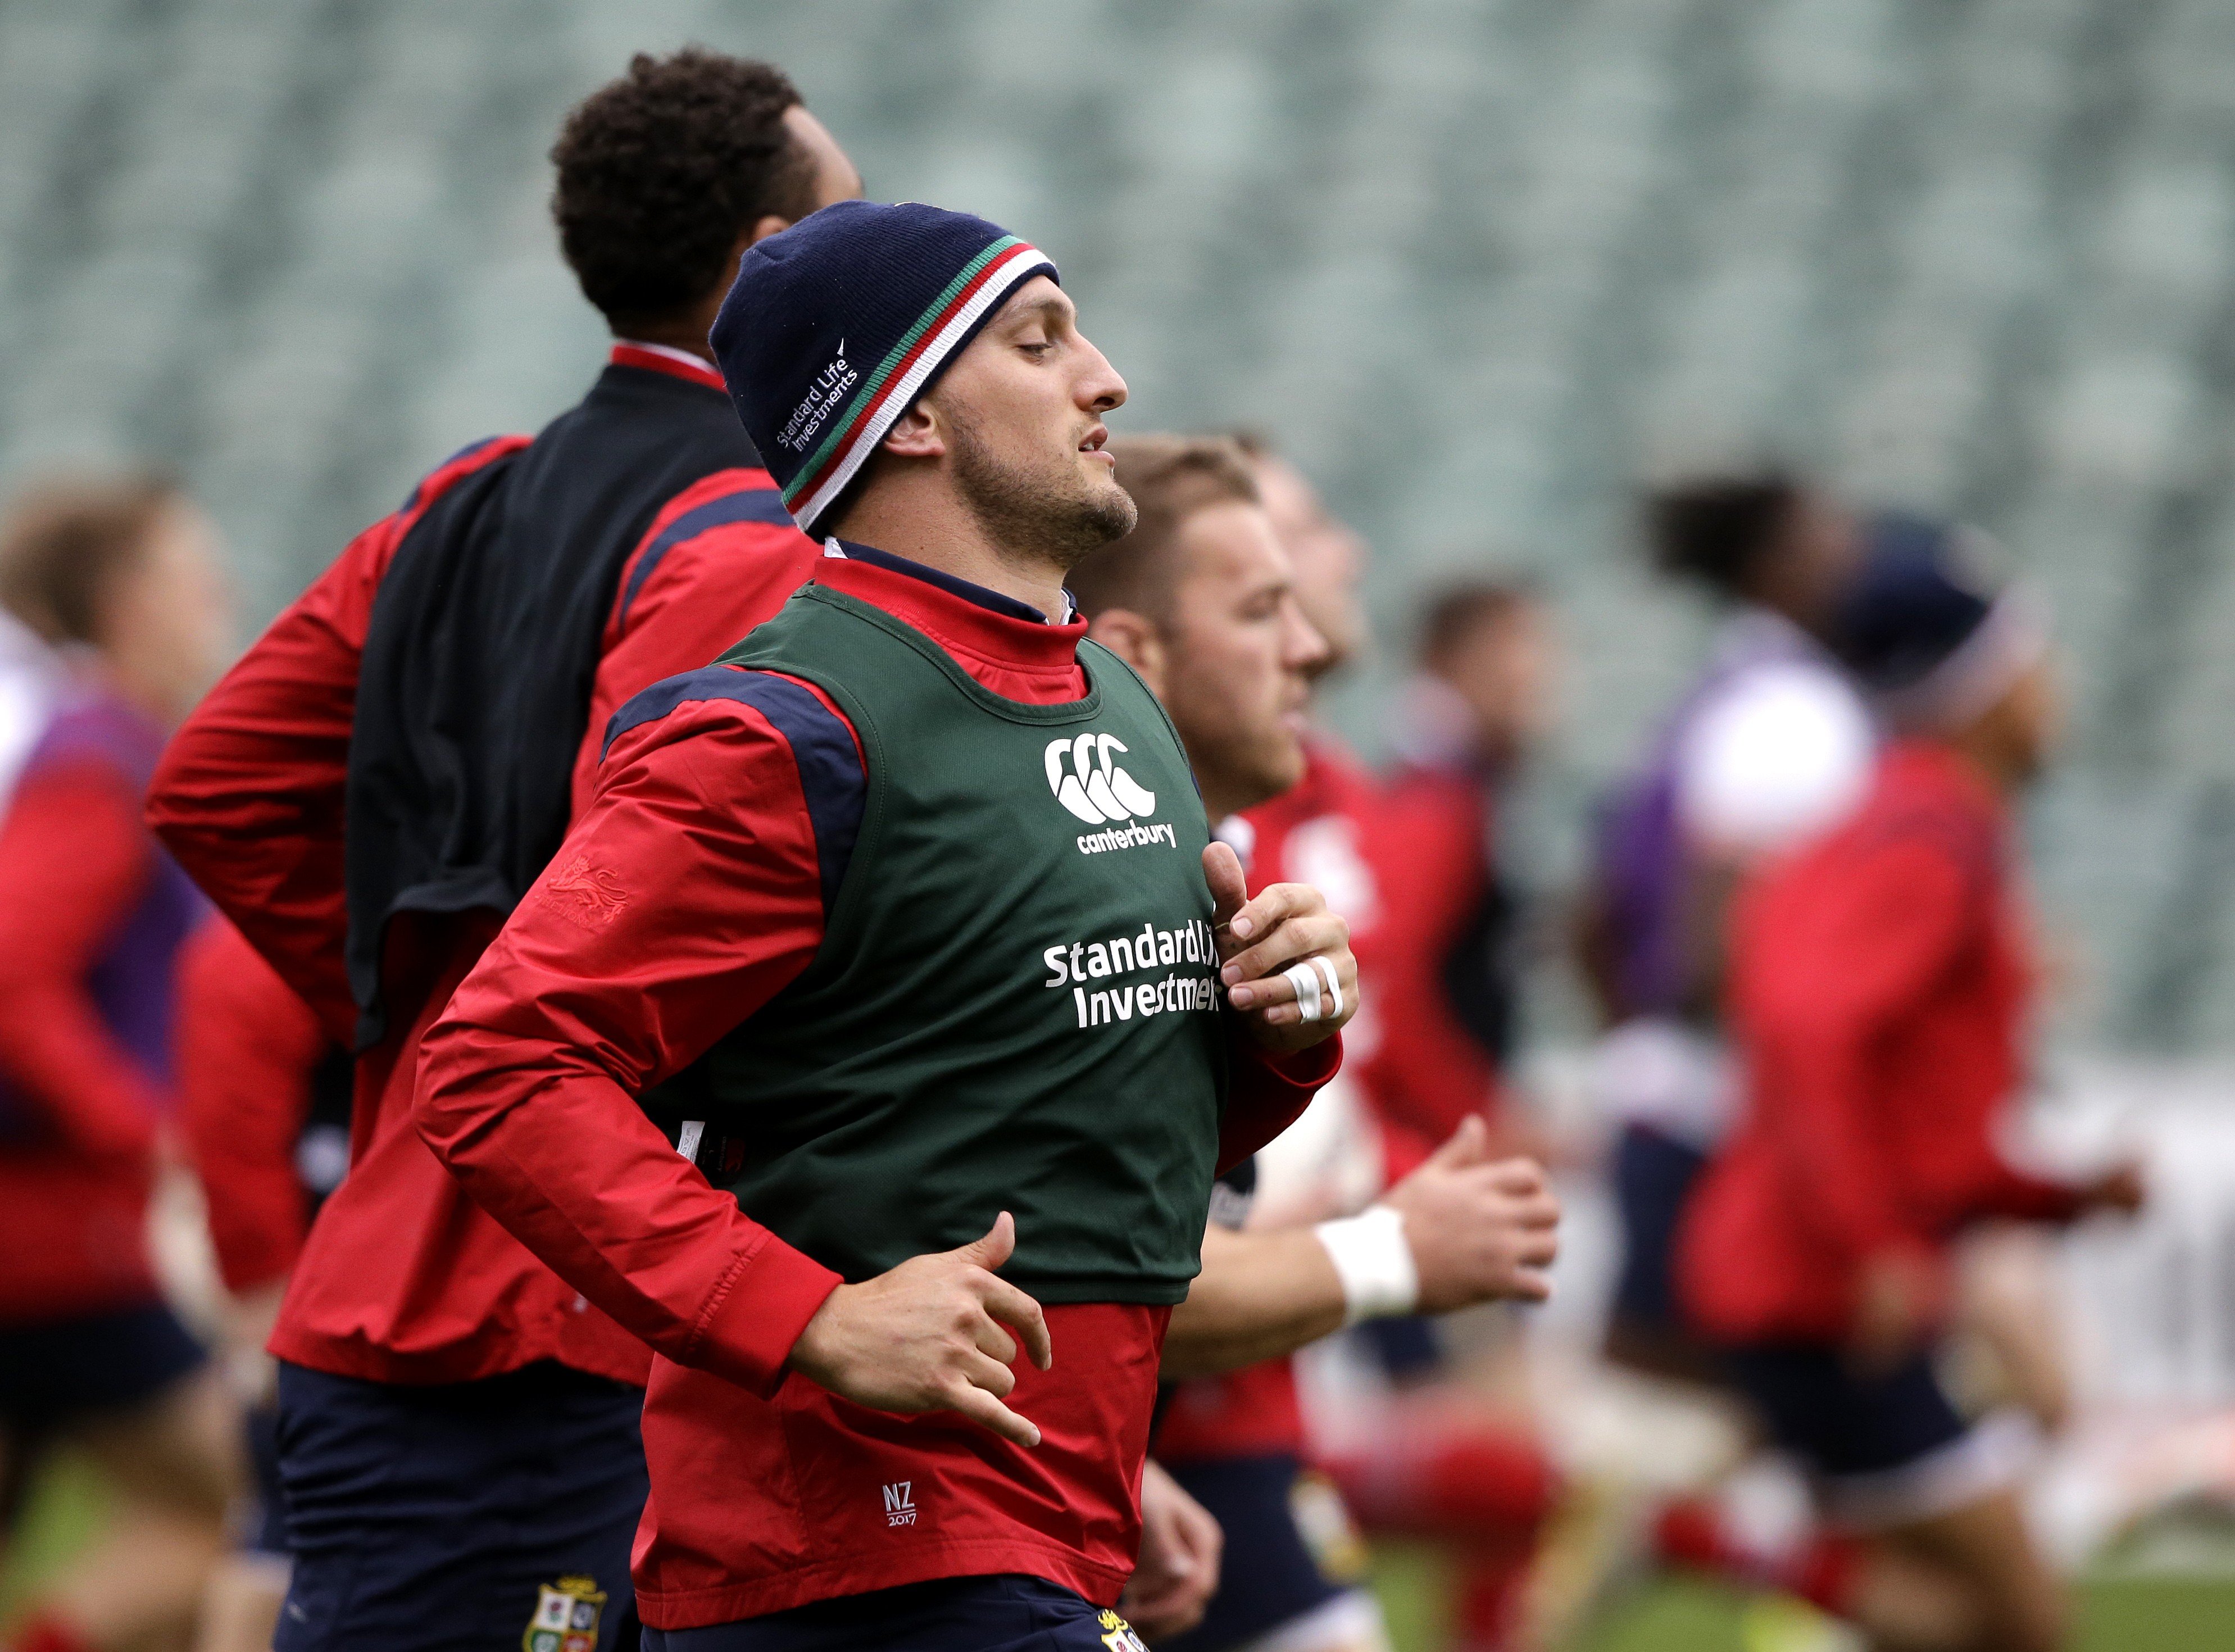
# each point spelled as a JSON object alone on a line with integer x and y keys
{"x": 766, "y": 225}
{"x": 915, "y": 435}
{"x": 1134, "y": 638}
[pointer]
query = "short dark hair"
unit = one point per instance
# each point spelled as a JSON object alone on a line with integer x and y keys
{"x": 1170, "y": 478}
{"x": 1718, "y": 528}
{"x": 1456, "y": 611}
{"x": 63, "y": 546}
{"x": 661, "y": 170}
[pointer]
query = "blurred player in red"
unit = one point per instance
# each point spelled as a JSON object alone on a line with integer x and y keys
{"x": 1451, "y": 946}
{"x": 122, "y": 579}
{"x": 1449, "y": 951}
{"x": 1181, "y": 597}
{"x": 264, "y": 1105}
{"x": 1201, "y": 599}
{"x": 366, "y": 797}
{"x": 1880, "y": 984}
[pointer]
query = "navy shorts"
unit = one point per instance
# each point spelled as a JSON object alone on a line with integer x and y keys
{"x": 53, "y": 1372}
{"x": 1654, "y": 1176}
{"x": 999, "y": 1614}
{"x": 263, "y": 1528}
{"x": 460, "y": 1517}
{"x": 1840, "y": 1424}
{"x": 1275, "y": 1572}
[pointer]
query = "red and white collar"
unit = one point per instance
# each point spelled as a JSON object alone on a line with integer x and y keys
{"x": 665, "y": 358}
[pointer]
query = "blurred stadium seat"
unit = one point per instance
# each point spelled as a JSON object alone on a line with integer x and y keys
{"x": 1479, "y": 266}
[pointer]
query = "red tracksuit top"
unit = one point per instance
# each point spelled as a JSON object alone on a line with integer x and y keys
{"x": 403, "y": 1278}
{"x": 685, "y": 896}
{"x": 1878, "y": 988}
{"x": 248, "y": 1049}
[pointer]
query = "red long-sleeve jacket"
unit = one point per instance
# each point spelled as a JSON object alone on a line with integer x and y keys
{"x": 402, "y": 1277}
{"x": 687, "y": 894}
{"x": 248, "y": 1049}
{"x": 1878, "y": 988}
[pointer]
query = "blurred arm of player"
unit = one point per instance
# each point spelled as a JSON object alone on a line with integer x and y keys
{"x": 1460, "y": 1229}
{"x": 1180, "y": 1547}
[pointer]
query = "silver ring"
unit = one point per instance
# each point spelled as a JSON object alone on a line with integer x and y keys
{"x": 1333, "y": 985}
{"x": 1306, "y": 980}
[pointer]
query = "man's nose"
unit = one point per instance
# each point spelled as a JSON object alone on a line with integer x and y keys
{"x": 1100, "y": 389}
{"x": 1307, "y": 647}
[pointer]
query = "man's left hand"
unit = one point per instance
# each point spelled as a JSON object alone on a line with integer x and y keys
{"x": 1286, "y": 963}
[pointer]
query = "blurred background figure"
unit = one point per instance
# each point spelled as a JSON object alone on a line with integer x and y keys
{"x": 1769, "y": 743}
{"x": 1445, "y": 1468}
{"x": 1468, "y": 719}
{"x": 1881, "y": 985}
{"x": 120, "y": 579}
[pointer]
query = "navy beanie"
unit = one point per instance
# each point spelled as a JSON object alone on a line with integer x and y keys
{"x": 1909, "y": 605}
{"x": 835, "y": 326}
{"x": 1927, "y": 640}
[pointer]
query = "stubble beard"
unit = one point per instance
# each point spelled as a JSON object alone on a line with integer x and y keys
{"x": 1031, "y": 516}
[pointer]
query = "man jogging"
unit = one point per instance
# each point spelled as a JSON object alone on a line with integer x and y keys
{"x": 1879, "y": 992}
{"x": 1202, "y": 599}
{"x": 904, "y": 918}
{"x": 459, "y": 1442}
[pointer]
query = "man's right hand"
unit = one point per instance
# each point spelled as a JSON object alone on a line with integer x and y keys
{"x": 927, "y": 1336}
{"x": 1478, "y": 1228}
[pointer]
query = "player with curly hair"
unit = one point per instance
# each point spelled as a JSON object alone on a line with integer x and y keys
{"x": 460, "y": 1450}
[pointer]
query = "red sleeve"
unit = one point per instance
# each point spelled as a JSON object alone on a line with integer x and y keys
{"x": 250, "y": 794}
{"x": 247, "y": 1048}
{"x": 1881, "y": 928}
{"x": 74, "y": 860}
{"x": 686, "y": 897}
{"x": 708, "y": 571}
{"x": 1266, "y": 1093}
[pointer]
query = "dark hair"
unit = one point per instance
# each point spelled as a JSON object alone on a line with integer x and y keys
{"x": 1170, "y": 478}
{"x": 63, "y": 544}
{"x": 661, "y": 170}
{"x": 1456, "y": 612}
{"x": 1718, "y": 528}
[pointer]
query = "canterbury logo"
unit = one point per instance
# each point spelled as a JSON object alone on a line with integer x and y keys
{"x": 1086, "y": 782}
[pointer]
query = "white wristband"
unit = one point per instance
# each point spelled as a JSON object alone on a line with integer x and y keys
{"x": 1374, "y": 1261}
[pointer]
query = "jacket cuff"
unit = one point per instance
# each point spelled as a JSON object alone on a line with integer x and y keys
{"x": 1268, "y": 1092}
{"x": 764, "y": 1304}
{"x": 1307, "y": 1071}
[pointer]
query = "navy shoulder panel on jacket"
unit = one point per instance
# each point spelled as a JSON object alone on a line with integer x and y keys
{"x": 831, "y": 774}
{"x": 746, "y": 505}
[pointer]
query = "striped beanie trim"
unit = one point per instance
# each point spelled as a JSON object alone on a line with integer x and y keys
{"x": 950, "y": 322}
{"x": 906, "y": 286}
